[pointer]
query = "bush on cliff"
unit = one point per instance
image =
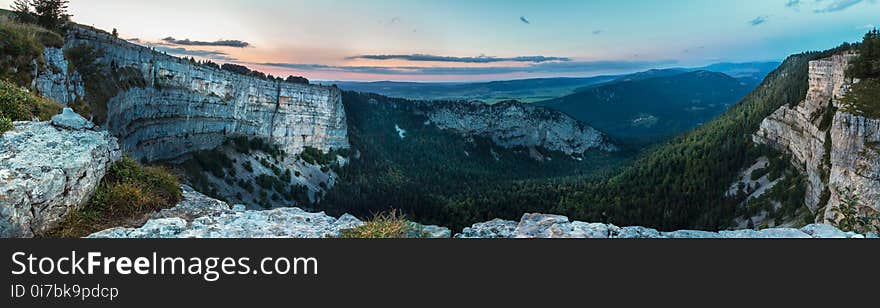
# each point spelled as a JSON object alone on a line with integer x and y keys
{"x": 127, "y": 194}
{"x": 19, "y": 105}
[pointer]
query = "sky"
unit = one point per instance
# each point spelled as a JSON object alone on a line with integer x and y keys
{"x": 470, "y": 40}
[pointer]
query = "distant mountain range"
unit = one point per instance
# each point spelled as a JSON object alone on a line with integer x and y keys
{"x": 641, "y": 110}
{"x": 524, "y": 90}
{"x": 539, "y": 89}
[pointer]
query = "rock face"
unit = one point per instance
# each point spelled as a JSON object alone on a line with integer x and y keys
{"x": 512, "y": 124}
{"x": 56, "y": 81}
{"x": 186, "y": 106}
{"x": 855, "y": 161}
{"x": 555, "y": 226}
{"x": 47, "y": 170}
{"x": 835, "y": 149}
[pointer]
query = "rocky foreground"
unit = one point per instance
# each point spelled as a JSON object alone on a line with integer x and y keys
{"x": 48, "y": 169}
{"x": 199, "y": 216}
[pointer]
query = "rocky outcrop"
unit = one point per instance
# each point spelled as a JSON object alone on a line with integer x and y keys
{"x": 511, "y": 124}
{"x": 56, "y": 81}
{"x": 48, "y": 169}
{"x": 556, "y": 226}
{"x": 185, "y": 106}
{"x": 836, "y": 150}
{"x": 199, "y": 216}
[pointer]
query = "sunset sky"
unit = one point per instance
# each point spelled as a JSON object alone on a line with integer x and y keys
{"x": 428, "y": 40}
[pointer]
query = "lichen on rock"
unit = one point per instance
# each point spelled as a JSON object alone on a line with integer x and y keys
{"x": 48, "y": 170}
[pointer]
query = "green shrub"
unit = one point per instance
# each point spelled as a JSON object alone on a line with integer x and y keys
{"x": 19, "y": 105}
{"x": 316, "y": 157}
{"x": 758, "y": 173}
{"x": 127, "y": 192}
{"x": 20, "y": 45}
{"x": 390, "y": 225}
{"x": 853, "y": 216}
{"x": 5, "y": 124}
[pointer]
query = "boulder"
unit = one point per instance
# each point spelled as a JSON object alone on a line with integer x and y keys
{"x": 48, "y": 170}
{"x": 68, "y": 119}
{"x": 496, "y": 228}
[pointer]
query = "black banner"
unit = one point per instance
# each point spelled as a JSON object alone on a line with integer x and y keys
{"x": 336, "y": 272}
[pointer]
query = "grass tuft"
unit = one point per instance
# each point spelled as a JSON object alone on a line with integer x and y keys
{"x": 20, "y": 45}
{"x": 390, "y": 225}
{"x": 127, "y": 193}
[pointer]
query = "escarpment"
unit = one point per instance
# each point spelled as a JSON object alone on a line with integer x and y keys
{"x": 512, "y": 124}
{"x": 835, "y": 148}
{"x": 170, "y": 106}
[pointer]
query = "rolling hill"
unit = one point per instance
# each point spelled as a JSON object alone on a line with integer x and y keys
{"x": 651, "y": 107}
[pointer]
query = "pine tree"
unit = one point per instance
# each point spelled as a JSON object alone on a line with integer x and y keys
{"x": 22, "y": 8}
{"x": 867, "y": 65}
{"x": 51, "y": 14}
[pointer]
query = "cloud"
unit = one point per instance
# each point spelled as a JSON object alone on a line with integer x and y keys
{"x": 867, "y": 27}
{"x": 574, "y": 68}
{"x": 480, "y": 59}
{"x": 697, "y": 48}
{"x": 758, "y": 20}
{"x": 220, "y": 43}
{"x": 525, "y": 20}
{"x": 837, "y": 5}
{"x": 208, "y": 54}
{"x": 597, "y": 32}
{"x": 794, "y": 5}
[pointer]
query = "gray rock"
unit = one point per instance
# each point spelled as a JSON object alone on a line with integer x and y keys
{"x": 496, "y": 228}
{"x": 275, "y": 223}
{"x": 71, "y": 120}
{"x": 47, "y": 171}
{"x": 744, "y": 233}
{"x": 823, "y": 231}
{"x": 782, "y": 233}
{"x": 430, "y": 231}
{"x": 194, "y": 205}
{"x": 593, "y": 230}
{"x": 638, "y": 232}
{"x": 690, "y": 234}
{"x": 543, "y": 226}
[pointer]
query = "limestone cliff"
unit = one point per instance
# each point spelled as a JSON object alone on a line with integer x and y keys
{"x": 183, "y": 106}
{"x": 512, "y": 124}
{"x": 57, "y": 81}
{"x": 835, "y": 149}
